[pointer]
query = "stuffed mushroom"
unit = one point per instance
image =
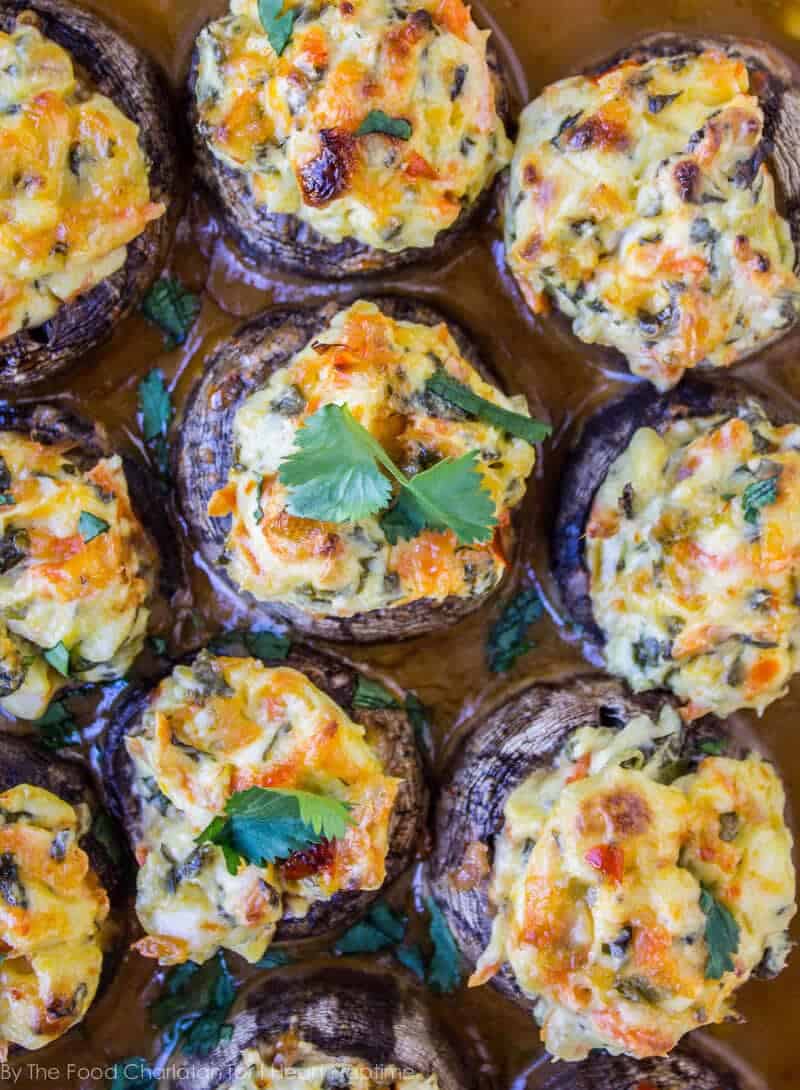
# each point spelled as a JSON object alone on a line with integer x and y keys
{"x": 60, "y": 879}
{"x": 87, "y": 184}
{"x": 323, "y": 1027}
{"x": 676, "y": 540}
{"x": 262, "y": 802}
{"x": 344, "y": 138}
{"x": 616, "y": 873}
{"x": 643, "y": 203}
{"x": 355, "y": 471}
{"x": 79, "y": 568}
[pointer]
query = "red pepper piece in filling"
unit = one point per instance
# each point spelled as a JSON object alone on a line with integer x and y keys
{"x": 608, "y": 859}
{"x": 310, "y": 861}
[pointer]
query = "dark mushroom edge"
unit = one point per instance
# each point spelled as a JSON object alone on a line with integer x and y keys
{"x": 605, "y": 436}
{"x": 289, "y": 242}
{"x": 523, "y": 734}
{"x": 344, "y": 1012}
{"x": 392, "y": 735}
{"x": 203, "y": 451}
{"x": 24, "y": 762}
{"x": 131, "y": 80}
{"x": 689, "y": 1067}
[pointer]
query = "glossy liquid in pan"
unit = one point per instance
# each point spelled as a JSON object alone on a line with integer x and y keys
{"x": 539, "y": 359}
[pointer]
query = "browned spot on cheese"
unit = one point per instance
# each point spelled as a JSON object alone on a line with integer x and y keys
{"x": 599, "y": 132}
{"x": 327, "y": 175}
{"x": 614, "y": 813}
{"x": 686, "y": 175}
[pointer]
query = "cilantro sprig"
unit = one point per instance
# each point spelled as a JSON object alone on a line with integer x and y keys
{"x": 378, "y": 121}
{"x": 90, "y": 526}
{"x": 721, "y": 935}
{"x": 335, "y": 476}
{"x": 173, "y": 308}
{"x": 759, "y": 494}
{"x": 277, "y": 23}
{"x": 156, "y": 408}
{"x": 194, "y": 1006}
{"x": 259, "y": 643}
{"x": 264, "y": 824}
{"x": 508, "y": 637}
{"x": 521, "y": 427}
{"x": 134, "y": 1073}
{"x": 57, "y": 727}
{"x": 385, "y": 930}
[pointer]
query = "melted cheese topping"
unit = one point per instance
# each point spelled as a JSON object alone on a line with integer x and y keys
{"x": 74, "y": 186}
{"x": 378, "y": 367}
{"x": 92, "y": 596}
{"x": 290, "y": 123}
{"x": 224, "y": 725}
{"x": 598, "y": 877}
{"x": 52, "y": 907}
{"x": 297, "y": 1065}
{"x": 640, "y": 204}
{"x": 693, "y": 577}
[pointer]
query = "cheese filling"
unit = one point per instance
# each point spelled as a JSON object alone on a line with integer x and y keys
{"x": 378, "y": 368}
{"x": 693, "y": 550}
{"x": 640, "y": 203}
{"x": 52, "y": 910}
{"x": 77, "y": 573}
{"x": 74, "y": 187}
{"x": 413, "y": 75}
{"x": 297, "y": 1065}
{"x": 221, "y": 726}
{"x": 617, "y": 886}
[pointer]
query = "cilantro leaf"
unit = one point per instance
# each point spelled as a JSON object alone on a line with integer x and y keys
{"x": 57, "y": 728}
{"x": 155, "y": 405}
{"x": 371, "y": 694}
{"x": 403, "y": 520}
{"x": 419, "y": 715}
{"x": 267, "y": 645}
{"x": 90, "y": 526}
{"x": 380, "y": 929}
{"x": 378, "y": 121}
{"x": 713, "y": 746}
{"x": 278, "y": 26}
{"x": 273, "y": 959}
{"x": 156, "y": 408}
{"x": 721, "y": 935}
{"x": 508, "y": 635}
{"x": 445, "y": 970}
{"x": 413, "y": 958}
{"x": 333, "y": 476}
{"x": 520, "y": 426}
{"x": 451, "y": 497}
{"x": 195, "y": 1004}
{"x": 133, "y": 1074}
{"x": 260, "y": 643}
{"x": 58, "y": 657}
{"x": 758, "y": 495}
{"x": 263, "y": 824}
{"x": 173, "y": 308}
